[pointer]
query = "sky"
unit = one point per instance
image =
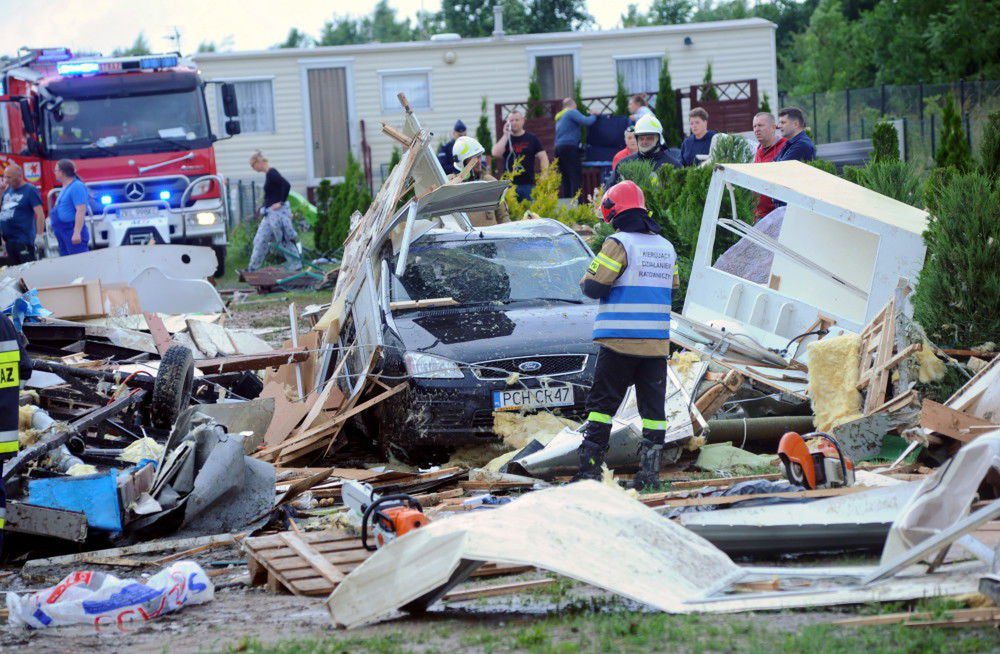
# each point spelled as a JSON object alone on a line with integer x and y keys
{"x": 103, "y": 25}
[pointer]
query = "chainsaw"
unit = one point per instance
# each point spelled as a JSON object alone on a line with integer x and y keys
{"x": 390, "y": 516}
{"x": 824, "y": 466}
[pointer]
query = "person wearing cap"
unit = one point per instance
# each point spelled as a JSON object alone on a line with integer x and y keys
{"x": 467, "y": 148}
{"x": 651, "y": 148}
{"x": 569, "y": 122}
{"x": 633, "y": 276}
{"x": 445, "y": 152}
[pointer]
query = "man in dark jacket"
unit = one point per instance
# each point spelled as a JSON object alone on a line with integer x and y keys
{"x": 649, "y": 135}
{"x": 446, "y": 153}
{"x": 799, "y": 147}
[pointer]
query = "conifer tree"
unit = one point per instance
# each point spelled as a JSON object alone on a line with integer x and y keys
{"x": 954, "y": 149}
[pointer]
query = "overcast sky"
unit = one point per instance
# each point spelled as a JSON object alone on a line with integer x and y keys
{"x": 103, "y": 25}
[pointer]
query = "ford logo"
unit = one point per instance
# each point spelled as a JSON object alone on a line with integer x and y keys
{"x": 135, "y": 191}
{"x": 529, "y": 366}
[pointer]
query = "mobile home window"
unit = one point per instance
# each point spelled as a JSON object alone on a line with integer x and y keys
{"x": 255, "y": 99}
{"x": 640, "y": 74}
{"x": 415, "y": 84}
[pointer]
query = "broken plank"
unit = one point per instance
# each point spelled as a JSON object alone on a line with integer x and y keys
{"x": 313, "y": 558}
{"x": 954, "y": 424}
{"x": 661, "y": 500}
{"x": 161, "y": 337}
{"x": 923, "y": 618}
{"x": 494, "y": 591}
{"x": 241, "y": 362}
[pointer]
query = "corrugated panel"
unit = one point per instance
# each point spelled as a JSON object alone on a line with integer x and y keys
{"x": 498, "y": 70}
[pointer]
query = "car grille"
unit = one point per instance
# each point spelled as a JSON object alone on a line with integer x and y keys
{"x": 551, "y": 365}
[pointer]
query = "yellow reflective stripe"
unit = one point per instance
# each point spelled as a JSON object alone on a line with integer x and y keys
{"x": 602, "y": 418}
{"x": 657, "y": 425}
{"x": 6, "y": 447}
{"x": 10, "y": 374}
{"x": 2, "y": 523}
{"x": 10, "y": 357}
{"x": 608, "y": 262}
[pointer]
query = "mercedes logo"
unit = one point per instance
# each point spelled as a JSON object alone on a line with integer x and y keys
{"x": 529, "y": 366}
{"x": 135, "y": 191}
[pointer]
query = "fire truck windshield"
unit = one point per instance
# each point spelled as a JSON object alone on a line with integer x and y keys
{"x": 109, "y": 126}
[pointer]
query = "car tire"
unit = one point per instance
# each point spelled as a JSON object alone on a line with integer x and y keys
{"x": 220, "y": 256}
{"x": 172, "y": 389}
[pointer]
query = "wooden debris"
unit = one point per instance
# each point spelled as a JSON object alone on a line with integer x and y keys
{"x": 241, "y": 362}
{"x": 955, "y": 618}
{"x": 159, "y": 332}
{"x": 961, "y": 426}
{"x": 666, "y": 499}
{"x": 494, "y": 591}
{"x": 309, "y": 564}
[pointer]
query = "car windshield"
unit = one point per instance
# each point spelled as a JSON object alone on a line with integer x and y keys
{"x": 494, "y": 270}
{"x": 108, "y": 126}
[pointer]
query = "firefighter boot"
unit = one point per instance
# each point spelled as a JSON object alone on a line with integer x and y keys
{"x": 591, "y": 459}
{"x": 649, "y": 475}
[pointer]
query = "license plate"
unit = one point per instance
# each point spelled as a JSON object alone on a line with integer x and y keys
{"x": 533, "y": 398}
{"x": 139, "y": 213}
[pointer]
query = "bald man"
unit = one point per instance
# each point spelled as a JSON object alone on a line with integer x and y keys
{"x": 22, "y": 220}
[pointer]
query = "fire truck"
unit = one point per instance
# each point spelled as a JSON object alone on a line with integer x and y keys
{"x": 138, "y": 131}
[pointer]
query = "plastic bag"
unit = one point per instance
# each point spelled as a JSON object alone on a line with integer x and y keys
{"x": 101, "y": 599}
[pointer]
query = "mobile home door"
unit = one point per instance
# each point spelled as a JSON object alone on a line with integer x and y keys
{"x": 330, "y": 127}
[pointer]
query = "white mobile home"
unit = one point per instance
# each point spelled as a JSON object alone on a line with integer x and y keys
{"x": 303, "y": 107}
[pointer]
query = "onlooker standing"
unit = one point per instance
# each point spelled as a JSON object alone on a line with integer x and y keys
{"x": 70, "y": 211}
{"x": 631, "y": 147}
{"x": 649, "y": 137}
{"x": 800, "y": 147}
{"x": 700, "y": 139}
{"x": 638, "y": 107}
{"x": 22, "y": 220}
{"x": 276, "y": 222}
{"x": 467, "y": 148}
{"x": 769, "y": 145}
{"x": 516, "y": 143}
{"x": 445, "y": 152}
{"x": 569, "y": 121}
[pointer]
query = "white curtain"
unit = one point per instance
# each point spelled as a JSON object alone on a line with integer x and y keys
{"x": 416, "y": 86}
{"x": 640, "y": 75}
{"x": 256, "y": 105}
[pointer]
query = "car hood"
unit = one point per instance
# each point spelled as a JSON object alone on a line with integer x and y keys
{"x": 485, "y": 333}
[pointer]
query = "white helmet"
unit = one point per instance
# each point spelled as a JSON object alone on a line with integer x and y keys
{"x": 465, "y": 148}
{"x": 649, "y": 124}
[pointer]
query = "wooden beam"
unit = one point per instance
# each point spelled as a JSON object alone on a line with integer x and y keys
{"x": 161, "y": 337}
{"x": 926, "y": 618}
{"x": 662, "y": 500}
{"x": 954, "y": 424}
{"x": 241, "y": 362}
{"x": 396, "y": 135}
{"x": 493, "y": 591}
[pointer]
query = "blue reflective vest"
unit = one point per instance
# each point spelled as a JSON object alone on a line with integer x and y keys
{"x": 638, "y": 305}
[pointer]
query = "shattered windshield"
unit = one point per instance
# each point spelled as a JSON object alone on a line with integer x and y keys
{"x": 502, "y": 270}
{"x": 106, "y": 126}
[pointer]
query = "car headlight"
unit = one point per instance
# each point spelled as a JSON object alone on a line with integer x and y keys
{"x": 428, "y": 366}
{"x": 205, "y": 218}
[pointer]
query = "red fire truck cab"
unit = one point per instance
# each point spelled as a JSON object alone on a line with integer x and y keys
{"x": 137, "y": 129}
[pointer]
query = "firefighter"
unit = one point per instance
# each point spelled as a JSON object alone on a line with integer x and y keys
{"x": 633, "y": 276}
{"x": 464, "y": 149}
{"x": 15, "y": 366}
{"x": 652, "y": 148}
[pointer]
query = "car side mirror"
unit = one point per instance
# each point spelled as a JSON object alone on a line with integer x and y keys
{"x": 233, "y": 127}
{"x": 229, "y": 105}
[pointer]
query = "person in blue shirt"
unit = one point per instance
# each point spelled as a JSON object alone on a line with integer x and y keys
{"x": 700, "y": 139}
{"x": 446, "y": 152}
{"x": 70, "y": 211}
{"x": 799, "y": 147}
{"x": 569, "y": 121}
{"x": 22, "y": 220}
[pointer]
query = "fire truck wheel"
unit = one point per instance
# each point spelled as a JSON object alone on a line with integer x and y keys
{"x": 220, "y": 256}
{"x": 172, "y": 389}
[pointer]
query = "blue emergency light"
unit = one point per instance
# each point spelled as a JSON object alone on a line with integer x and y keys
{"x": 164, "y": 195}
{"x": 158, "y": 62}
{"x": 77, "y": 67}
{"x": 105, "y": 199}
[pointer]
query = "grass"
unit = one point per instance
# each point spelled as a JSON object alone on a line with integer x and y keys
{"x": 628, "y": 631}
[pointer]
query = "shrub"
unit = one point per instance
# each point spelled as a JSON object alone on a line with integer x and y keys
{"x": 827, "y": 166}
{"x": 937, "y": 180}
{"x": 621, "y": 98}
{"x": 394, "y": 159}
{"x": 666, "y": 107}
{"x": 765, "y": 104}
{"x": 578, "y": 97}
{"x": 708, "y": 92}
{"x": 483, "y": 133}
{"x": 954, "y": 149}
{"x": 885, "y": 142}
{"x": 957, "y": 299}
{"x": 731, "y": 148}
{"x": 336, "y": 203}
{"x": 544, "y": 201}
{"x": 601, "y": 232}
{"x": 989, "y": 150}
{"x": 535, "y": 107}
{"x": 893, "y": 178}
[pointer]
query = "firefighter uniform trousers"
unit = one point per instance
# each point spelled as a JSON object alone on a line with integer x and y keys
{"x": 614, "y": 374}
{"x": 10, "y": 380}
{"x": 637, "y": 307}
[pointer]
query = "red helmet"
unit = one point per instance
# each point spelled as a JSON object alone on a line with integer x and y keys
{"x": 621, "y": 197}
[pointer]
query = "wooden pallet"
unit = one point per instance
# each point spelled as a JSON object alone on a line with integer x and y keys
{"x": 879, "y": 357}
{"x": 305, "y": 564}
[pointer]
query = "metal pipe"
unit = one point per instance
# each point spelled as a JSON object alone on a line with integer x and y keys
{"x": 756, "y": 430}
{"x": 404, "y": 247}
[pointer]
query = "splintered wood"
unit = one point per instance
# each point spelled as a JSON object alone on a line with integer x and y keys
{"x": 879, "y": 357}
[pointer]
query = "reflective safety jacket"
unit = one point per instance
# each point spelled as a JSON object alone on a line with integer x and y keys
{"x": 15, "y": 366}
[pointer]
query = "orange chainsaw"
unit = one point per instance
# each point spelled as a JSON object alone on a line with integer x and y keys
{"x": 389, "y": 516}
{"x": 824, "y": 466}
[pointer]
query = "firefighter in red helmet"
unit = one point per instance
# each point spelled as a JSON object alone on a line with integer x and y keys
{"x": 633, "y": 276}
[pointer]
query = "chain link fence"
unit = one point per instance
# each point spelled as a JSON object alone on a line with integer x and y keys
{"x": 851, "y": 114}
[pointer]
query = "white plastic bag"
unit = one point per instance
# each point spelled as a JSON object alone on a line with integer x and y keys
{"x": 101, "y": 599}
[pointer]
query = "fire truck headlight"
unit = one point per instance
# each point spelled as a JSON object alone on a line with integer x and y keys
{"x": 164, "y": 195}
{"x": 105, "y": 199}
{"x": 205, "y": 218}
